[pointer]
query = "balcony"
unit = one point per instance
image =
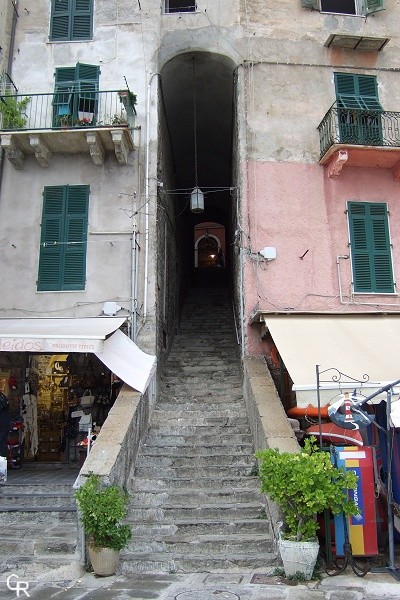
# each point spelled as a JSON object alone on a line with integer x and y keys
{"x": 67, "y": 122}
{"x": 360, "y": 138}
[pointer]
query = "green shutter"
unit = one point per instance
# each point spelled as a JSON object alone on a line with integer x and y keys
{"x": 71, "y": 20}
{"x": 75, "y": 92}
{"x": 62, "y": 261}
{"x": 310, "y": 4}
{"x": 371, "y": 6}
{"x": 82, "y": 19}
{"x": 74, "y": 275}
{"x": 50, "y": 258}
{"x": 60, "y": 18}
{"x": 357, "y": 91}
{"x": 370, "y": 248}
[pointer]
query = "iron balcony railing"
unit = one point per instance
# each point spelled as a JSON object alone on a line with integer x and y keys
{"x": 359, "y": 127}
{"x": 67, "y": 109}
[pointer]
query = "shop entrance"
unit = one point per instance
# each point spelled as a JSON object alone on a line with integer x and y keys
{"x": 53, "y": 400}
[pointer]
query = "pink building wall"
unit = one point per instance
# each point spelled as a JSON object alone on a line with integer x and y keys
{"x": 300, "y": 211}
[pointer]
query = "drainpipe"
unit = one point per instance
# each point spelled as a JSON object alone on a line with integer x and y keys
{"x": 9, "y": 69}
{"x": 147, "y": 198}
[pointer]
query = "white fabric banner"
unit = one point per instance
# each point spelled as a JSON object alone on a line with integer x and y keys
{"x": 124, "y": 358}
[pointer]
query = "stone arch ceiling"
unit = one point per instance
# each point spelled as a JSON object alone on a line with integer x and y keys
{"x": 214, "y": 108}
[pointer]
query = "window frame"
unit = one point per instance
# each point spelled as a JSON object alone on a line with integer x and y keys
{"x": 370, "y": 248}
{"x": 63, "y": 240}
{"x": 75, "y": 95}
{"x": 363, "y": 7}
{"x": 68, "y": 19}
{"x": 177, "y": 10}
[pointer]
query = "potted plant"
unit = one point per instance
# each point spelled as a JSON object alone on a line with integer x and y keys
{"x": 127, "y": 98}
{"x": 12, "y": 110}
{"x": 303, "y": 485}
{"x": 101, "y": 510}
{"x": 64, "y": 121}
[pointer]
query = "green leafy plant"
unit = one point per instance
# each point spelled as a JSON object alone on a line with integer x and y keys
{"x": 102, "y": 508}
{"x": 64, "y": 121}
{"x": 127, "y": 97}
{"x": 304, "y": 484}
{"x": 12, "y": 110}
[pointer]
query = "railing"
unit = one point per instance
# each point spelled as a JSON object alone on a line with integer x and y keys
{"x": 66, "y": 109}
{"x": 359, "y": 127}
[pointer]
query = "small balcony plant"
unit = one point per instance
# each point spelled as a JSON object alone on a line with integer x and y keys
{"x": 303, "y": 485}
{"x": 12, "y": 111}
{"x": 83, "y": 122}
{"x": 102, "y": 508}
{"x": 127, "y": 98}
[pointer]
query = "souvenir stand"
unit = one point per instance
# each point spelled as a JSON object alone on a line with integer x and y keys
{"x": 348, "y": 413}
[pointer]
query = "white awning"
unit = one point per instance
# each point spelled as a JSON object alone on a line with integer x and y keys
{"x": 57, "y": 336}
{"x": 356, "y": 345}
{"x": 92, "y": 334}
{"x": 128, "y": 361}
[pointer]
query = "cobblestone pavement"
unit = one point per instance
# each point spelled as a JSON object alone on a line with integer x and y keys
{"x": 203, "y": 586}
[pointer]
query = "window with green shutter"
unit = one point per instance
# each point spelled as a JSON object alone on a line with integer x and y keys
{"x": 359, "y": 109}
{"x": 345, "y": 7}
{"x": 71, "y": 20}
{"x": 371, "y": 254}
{"x": 75, "y": 94}
{"x": 62, "y": 259}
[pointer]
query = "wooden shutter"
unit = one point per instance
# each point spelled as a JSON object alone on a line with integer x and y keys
{"x": 74, "y": 274}
{"x": 60, "y": 19}
{"x": 81, "y": 19}
{"x": 62, "y": 261}
{"x": 71, "y": 20}
{"x": 347, "y": 90}
{"x": 371, "y": 6}
{"x": 370, "y": 248}
{"x": 50, "y": 259}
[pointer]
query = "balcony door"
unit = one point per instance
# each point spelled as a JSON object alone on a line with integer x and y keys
{"x": 75, "y": 99}
{"x": 359, "y": 109}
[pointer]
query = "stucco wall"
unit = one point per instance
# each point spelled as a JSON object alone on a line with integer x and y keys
{"x": 300, "y": 211}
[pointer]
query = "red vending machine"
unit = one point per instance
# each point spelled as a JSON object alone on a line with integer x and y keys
{"x": 362, "y": 529}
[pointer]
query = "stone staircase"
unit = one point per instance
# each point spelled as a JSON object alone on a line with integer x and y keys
{"x": 195, "y": 502}
{"x": 38, "y": 529}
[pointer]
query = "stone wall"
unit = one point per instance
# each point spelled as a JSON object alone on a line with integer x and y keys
{"x": 114, "y": 453}
{"x": 268, "y": 421}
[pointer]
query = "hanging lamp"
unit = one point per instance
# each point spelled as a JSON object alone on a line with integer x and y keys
{"x": 197, "y": 196}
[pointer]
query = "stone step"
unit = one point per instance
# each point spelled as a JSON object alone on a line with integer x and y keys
{"x": 16, "y": 500}
{"x": 223, "y": 439}
{"x": 190, "y": 450}
{"x": 195, "y": 407}
{"x": 40, "y": 546}
{"x": 193, "y": 499}
{"x": 195, "y": 461}
{"x": 199, "y": 527}
{"x": 230, "y": 563}
{"x": 220, "y": 511}
{"x": 191, "y": 434}
{"x": 51, "y": 567}
{"x": 203, "y": 545}
{"x": 139, "y": 484}
{"x": 197, "y": 418}
{"x": 174, "y": 394}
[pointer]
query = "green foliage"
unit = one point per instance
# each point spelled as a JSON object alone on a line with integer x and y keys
{"x": 131, "y": 97}
{"x": 304, "y": 484}
{"x": 12, "y": 110}
{"x": 101, "y": 510}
